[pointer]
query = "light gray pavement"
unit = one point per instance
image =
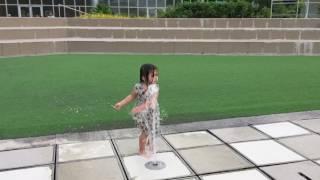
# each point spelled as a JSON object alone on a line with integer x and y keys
{"x": 279, "y": 146}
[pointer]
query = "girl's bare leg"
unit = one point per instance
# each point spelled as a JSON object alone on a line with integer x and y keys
{"x": 142, "y": 143}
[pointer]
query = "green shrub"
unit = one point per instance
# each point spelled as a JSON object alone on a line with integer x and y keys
{"x": 227, "y": 9}
{"x": 102, "y": 8}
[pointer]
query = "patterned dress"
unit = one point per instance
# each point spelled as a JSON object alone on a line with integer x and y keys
{"x": 150, "y": 115}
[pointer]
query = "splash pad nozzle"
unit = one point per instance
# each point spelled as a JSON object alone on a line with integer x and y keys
{"x": 155, "y": 165}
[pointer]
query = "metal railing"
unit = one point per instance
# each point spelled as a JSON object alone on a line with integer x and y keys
{"x": 76, "y": 10}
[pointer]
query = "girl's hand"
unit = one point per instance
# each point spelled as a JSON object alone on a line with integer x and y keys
{"x": 117, "y": 106}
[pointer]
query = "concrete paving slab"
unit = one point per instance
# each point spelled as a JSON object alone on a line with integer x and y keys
{"x": 35, "y": 173}
{"x": 86, "y": 150}
{"x": 214, "y": 159}
{"x": 283, "y": 129}
{"x": 307, "y": 146}
{"x": 174, "y": 167}
{"x": 260, "y": 152}
{"x": 312, "y": 124}
{"x": 237, "y": 134}
{"x": 246, "y": 174}
{"x": 97, "y": 169}
{"x": 187, "y": 178}
{"x": 81, "y": 137}
{"x": 192, "y": 139}
{"x": 131, "y": 146}
{"x": 306, "y": 170}
{"x": 26, "y": 157}
{"x": 23, "y": 143}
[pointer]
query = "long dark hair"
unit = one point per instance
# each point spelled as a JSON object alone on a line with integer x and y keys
{"x": 145, "y": 70}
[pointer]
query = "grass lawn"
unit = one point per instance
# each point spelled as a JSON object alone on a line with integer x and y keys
{"x": 44, "y": 95}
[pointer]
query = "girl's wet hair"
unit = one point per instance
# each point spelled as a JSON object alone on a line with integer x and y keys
{"x": 145, "y": 70}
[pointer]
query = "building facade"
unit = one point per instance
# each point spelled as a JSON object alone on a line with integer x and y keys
{"x": 73, "y": 8}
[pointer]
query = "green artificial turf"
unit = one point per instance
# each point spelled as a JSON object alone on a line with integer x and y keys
{"x": 44, "y": 95}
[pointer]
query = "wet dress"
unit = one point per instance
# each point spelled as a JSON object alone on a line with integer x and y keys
{"x": 145, "y": 118}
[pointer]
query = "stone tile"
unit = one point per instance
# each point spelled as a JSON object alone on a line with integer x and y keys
{"x": 287, "y": 48}
{"x": 69, "y": 138}
{"x": 131, "y": 146}
{"x": 237, "y": 134}
{"x": 316, "y": 48}
{"x": 124, "y": 133}
{"x": 282, "y": 129}
{"x": 97, "y": 169}
{"x": 87, "y": 150}
{"x": 191, "y": 139}
{"x": 187, "y": 178}
{"x": 294, "y": 171}
{"x": 213, "y": 159}
{"x": 318, "y": 161}
{"x": 1, "y": 49}
{"x": 291, "y": 34}
{"x": 35, "y": 173}
{"x": 23, "y": 143}
{"x": 305, "y": 145}
{"x": 28, "y": 48}
{"x": 256, "y": 47}
{"x": 182, "y": 47}
{"x": 259, "y": 152}
{"x": 10, "y": 49}
{"x": 247, "y": 23}
{"x": 26, "y": 157}
{"x": 270, "y": 48}
{"x": 312, "y": 124}
{"x": 246, "y": 174}
{"x": 135, "y": 165}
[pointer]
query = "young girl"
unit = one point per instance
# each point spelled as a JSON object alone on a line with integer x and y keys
{"x": 146, "y": 112}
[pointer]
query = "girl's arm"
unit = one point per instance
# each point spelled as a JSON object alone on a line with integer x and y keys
{"x": 132, "y": 96}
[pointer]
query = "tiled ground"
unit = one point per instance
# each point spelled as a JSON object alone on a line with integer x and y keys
{"x": 282, "y": 151}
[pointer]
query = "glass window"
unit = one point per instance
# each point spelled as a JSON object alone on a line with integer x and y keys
{"x": 89, "y": 2}
{"x": 70, "y": 12}
{"x": 161, "y": 3}
{"x": 152, "y": 12}
{"x": 133, "y": 3}
{"x": 2, "y": 2}
{"x": 12, "y": 1}
{"x": 24, "y": 1}
{"x": 35, "y": 1}
{"x": 169, "y": 3}
{"x": 80, "y": 2}
{"x": 142, "y": 3}
{"x": 69, "y": 2}
{"x": 3, "y": 11}
{"x": 13, "y": 11}
{"x": 142, "y": 12}
{"x": 57, "y": 2}
{"x": 47, "y": 11}
{"x": 58, "y": 12}
{"x": 151, "y": 3}
{"x": 82, "y": 9}
{"x": 115, "y": 10}
{"x": 124, "y": 3}
{"x": 47, "y": 2}
{"x": 113, "y": 2}
{"x": 133, "y": 12}
{"x": 124, "y": 11}
{"x": 90, "y": 9}
{"x": 103, "y": 1}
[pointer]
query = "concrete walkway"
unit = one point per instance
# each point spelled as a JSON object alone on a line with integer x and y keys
{"x": 280, "y": 146}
